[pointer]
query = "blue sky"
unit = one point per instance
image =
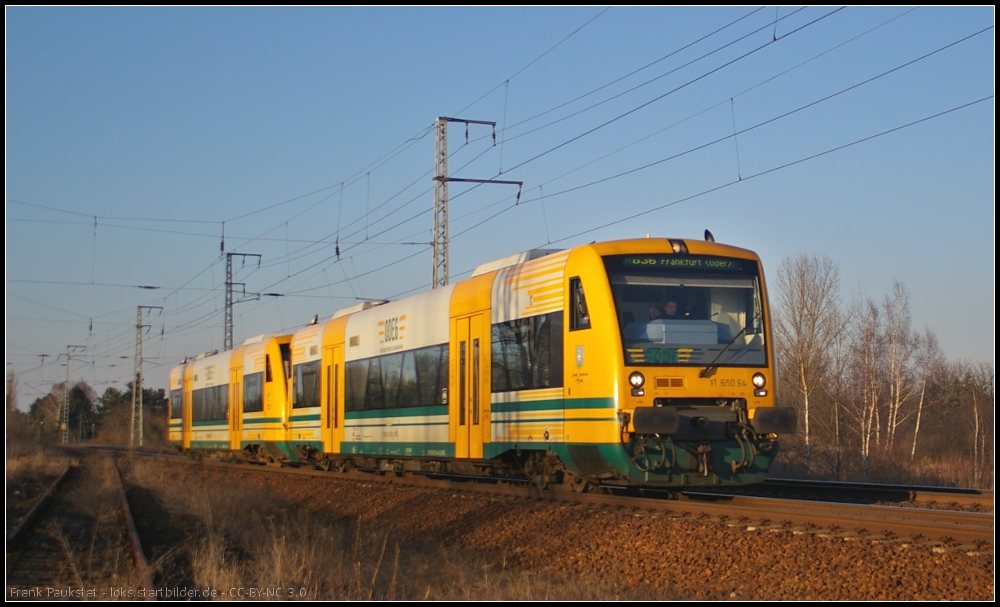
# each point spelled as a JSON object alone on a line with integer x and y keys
{"x": 134, "y": 135}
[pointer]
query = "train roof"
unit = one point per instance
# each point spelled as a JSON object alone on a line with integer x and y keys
{"x": 359, "y": 307}
{"x": 512, "y": 260}
{"x": 604, "y": 248}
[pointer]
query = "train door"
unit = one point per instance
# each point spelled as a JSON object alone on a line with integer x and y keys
{"x": 186, "y": 410}
{"x": 235, "y": 407}
{"x": 333, "y": 403}
{"x": 469, "y": 386}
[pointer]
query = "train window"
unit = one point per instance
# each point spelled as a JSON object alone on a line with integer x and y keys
{"x": 356, "y": 373}
{"x": 176, "y": 398}
{"x": 210, "y": 404}
{"x": 392, "y": 369}
{"x": 475, "y": 381}
{"x": 286, "y": 359}
{"x": 267, "y": 368}
{"x": 253, "y": 393}
{"x": 415, "y": 378}
{"x": 691, "y": 310}
{"x": 335, "y": 395}
{"x": 527, "y": 353}
{"x": 306, "y": 385}
{"x": 409, "y": 393}
{"x": 461, "y": 383}
{"x": 374, "y": 394}
{"x": 579, "y": 316}
{"x": 432, "y": 374}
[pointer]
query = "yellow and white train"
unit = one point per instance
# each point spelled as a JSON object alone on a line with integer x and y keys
{"x": 643, "y": 362}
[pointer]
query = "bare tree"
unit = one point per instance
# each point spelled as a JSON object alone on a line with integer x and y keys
{"x": 866, "y": 375}
{"x": 807, "y": 323}
{"x": 900, "y": 345}
{"x": 838, "y": 391}
{"x": 929, "y": 358}
{"x": 981, "y": 380}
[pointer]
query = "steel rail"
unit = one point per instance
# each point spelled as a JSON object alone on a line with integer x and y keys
{"x": 959, "y": 496}
{"x": 944, "y": 529}
{"x": 137, "y": 553}
{"x": 20, "y": 531}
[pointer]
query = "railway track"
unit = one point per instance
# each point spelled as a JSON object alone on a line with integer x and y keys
{"x": 78, "y": 541}
{"x": 954, "y": 498}
{"x": 850, "y": 511}
{"x": 941, "y": 529}
{"x": 695, "y": 547}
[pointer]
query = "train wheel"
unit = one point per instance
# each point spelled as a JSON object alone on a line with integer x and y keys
{"x": 541, "y": 481}
{"x": 573, "y": 482}
{"x": 536, "y": 471}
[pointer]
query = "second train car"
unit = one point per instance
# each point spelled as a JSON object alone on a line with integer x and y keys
{"x": 645, "y": 362}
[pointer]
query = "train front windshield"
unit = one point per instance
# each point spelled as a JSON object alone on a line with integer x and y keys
{"x": 689, "y": 310}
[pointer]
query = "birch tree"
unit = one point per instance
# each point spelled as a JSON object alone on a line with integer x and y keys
{"x": 900, "y": 345}
{"x": 866, "y": 375}
{"x": 929, "y": 358}
{"x": 981, "y": 378}
{"x": 807, "y": 324}
{"x": 838, "y": 390}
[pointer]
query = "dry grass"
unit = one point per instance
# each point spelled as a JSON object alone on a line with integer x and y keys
{"x": 97, "y": 548}
{"x": 246, "y": 540}
{"x": 29, "y": 473}
{"x": 83, "y": 525}
{"x": 951, "y": 470}
{"x": 39, "y": 462}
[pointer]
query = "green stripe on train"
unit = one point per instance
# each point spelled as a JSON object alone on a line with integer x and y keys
{"x": 398, "y": 412}
{"x": 209, "y": 444}
{"x": 555, "y": 403}
{"x": 402, "y": 449}
{"x": 566, "y": 420}
{"x": 262, "y": 420}
{"x": 379, "y": 424}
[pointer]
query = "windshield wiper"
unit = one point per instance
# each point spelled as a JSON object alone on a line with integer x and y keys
{"x": 704, "y": 372}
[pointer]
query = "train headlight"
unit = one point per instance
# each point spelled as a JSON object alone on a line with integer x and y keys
{"x": 759, "y": 380}
{"x": 636, "y": 379}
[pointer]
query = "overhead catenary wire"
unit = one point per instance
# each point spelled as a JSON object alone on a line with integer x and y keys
{"x": 775, "y": 118}
{"x": 368, "y": 218}
{"x": 413, "y": 140}
{"x": 668, "y": 93}
{"x": 777, "y": 168}
{"x": 736, "y": 133}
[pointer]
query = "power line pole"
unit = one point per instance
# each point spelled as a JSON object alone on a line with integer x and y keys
{"x": 440, "y": 240}
{"x": 137, "y": 382}
{"x": 64, "y": 426}
{"x": 439, "y": 274}
{"x": 228, "y": 338}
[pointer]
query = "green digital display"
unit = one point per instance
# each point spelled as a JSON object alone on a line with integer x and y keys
{"x": 682, "y": 261}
